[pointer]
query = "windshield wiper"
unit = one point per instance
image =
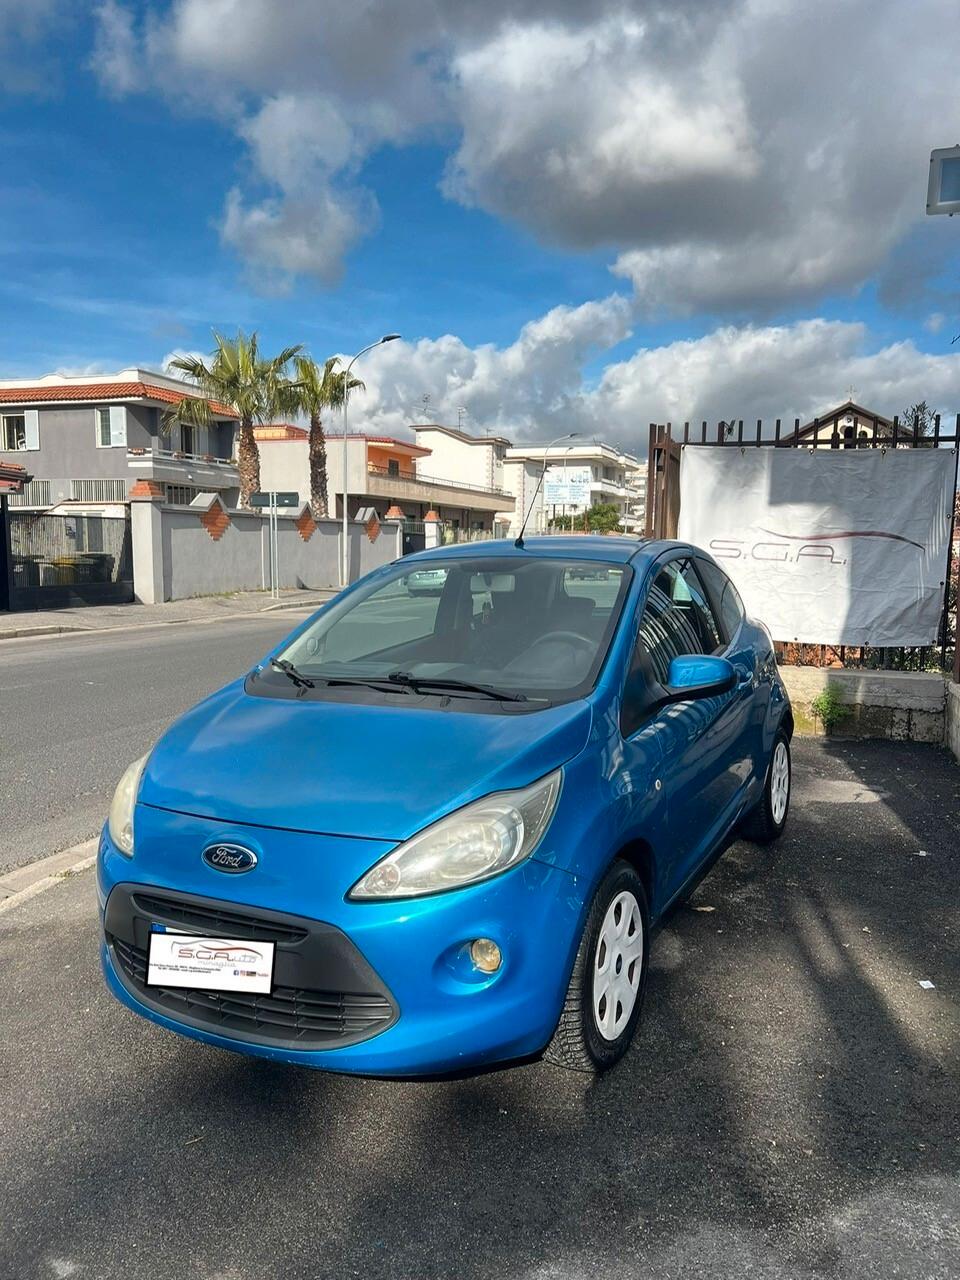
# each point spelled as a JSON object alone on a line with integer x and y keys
{"x": 290, "y": 671}
{"x": 382, "y": 683}
{"x": 417, "y": 683}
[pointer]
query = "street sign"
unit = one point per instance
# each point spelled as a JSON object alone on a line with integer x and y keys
{"x": 943, "y": 185}
{"x": 275, "y": 497}
{"x": 567, "y": 486}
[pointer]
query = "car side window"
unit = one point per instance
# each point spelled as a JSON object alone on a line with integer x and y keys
{"x": 670, "y": 626}
{"x": 678, "y": 580}
{"x": 725, "y": 596}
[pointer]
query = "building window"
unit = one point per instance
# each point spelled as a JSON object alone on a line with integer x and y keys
{"x": 180, "y": 495}
{"x": 111, "y": 426}
{"x": 14, "y": 433}
{"x": 393, "y": 467}
{"x": 20, "y": 431}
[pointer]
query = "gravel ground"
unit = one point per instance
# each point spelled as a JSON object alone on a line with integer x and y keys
{"x": 790, "y": 1109}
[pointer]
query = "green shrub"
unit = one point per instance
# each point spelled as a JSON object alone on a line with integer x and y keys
{"x": 829, "y": 709}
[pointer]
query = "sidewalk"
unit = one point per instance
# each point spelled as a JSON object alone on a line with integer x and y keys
{"x": 111, "y": 617}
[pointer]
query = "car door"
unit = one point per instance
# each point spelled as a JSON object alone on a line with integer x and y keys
{"x": 741, "y": 650}
{"x": 697, "y": 738}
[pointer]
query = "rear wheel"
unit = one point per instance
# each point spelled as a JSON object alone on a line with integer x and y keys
{"x": 768, "y": 819}
{"x": 603, "y": 1000}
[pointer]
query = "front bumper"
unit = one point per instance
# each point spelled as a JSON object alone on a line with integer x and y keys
{"x": 406, "y": 1000}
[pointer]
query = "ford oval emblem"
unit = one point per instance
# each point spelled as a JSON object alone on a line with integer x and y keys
{"x": 232, "y": 858}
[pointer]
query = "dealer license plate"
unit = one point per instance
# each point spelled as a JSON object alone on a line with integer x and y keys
{"x": 206, "y": 963}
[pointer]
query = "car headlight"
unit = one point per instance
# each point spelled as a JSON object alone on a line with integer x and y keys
{"x": 473, "y": 844}
{"x": 120, "y": 821}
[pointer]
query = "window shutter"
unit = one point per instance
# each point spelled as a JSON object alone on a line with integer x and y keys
{"x": 118, "y": 424}
{"x": 31, "y": 425}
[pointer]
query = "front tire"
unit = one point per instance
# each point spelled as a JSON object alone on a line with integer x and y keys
{"x": 602, "y": 1005}
{"x": 767, "y": 821}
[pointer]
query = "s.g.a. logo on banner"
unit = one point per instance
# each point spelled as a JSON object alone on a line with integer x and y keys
{"x": 826, "y": 546}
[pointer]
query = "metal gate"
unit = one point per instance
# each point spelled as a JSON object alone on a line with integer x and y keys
{"x": 414, "y": 536}
{"x": 59, "y": 561}
{"x": 868, "y": 432}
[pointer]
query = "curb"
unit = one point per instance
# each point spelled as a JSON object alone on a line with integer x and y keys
{"x": 27, "y": 882}
{"x": 44, "y": 631}
{"x": 297, "y": 604}
{"x": 159, "y": 622}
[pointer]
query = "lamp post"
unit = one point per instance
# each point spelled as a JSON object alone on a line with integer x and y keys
{"x": 570, "y": 435}
{"x": 345, "y": 552}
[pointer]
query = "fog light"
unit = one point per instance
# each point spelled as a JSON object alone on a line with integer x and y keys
{"x": 485, "y": 954}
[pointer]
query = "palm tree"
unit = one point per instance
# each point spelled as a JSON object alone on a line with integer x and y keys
{"x": 238, "y": 375}
{"x": 315, "y": 388}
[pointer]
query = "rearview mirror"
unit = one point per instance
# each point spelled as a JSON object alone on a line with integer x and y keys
{"x": 698, "y": 676}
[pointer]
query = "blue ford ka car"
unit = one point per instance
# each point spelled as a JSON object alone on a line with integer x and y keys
{"x": 434, "y": 829}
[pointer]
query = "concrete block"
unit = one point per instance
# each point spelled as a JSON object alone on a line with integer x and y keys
{"x": 899, "y": 705}
{"x": 952, "y": 727}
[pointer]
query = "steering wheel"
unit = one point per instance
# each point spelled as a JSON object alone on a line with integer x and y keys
{"x": 569, "y": 637}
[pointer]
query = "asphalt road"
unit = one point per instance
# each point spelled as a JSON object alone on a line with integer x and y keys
{"x": 75, "y": 710}
{"x": 791, "y": 1108}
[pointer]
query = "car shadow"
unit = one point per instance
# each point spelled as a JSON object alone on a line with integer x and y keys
{"x": 789, "y": 1108}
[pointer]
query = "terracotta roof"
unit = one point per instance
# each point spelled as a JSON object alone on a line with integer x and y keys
{"x": 87, "y": 391}
{"x": 12, "y": 476}
{"x": 280, "y": 431}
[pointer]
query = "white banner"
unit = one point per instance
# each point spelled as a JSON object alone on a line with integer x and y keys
{"x": 567, "y": 486}
{"x": 826, "y": 546}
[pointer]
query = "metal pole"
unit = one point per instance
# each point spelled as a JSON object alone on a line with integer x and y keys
{"x": 276, "y": 546}
{"x": 345, "y": 550}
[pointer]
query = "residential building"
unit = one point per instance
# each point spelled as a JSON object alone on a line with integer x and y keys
{"x": 472, "y": 460}
{"x": 617, "y": 478}
{"x": 87, "y": 440}
{"x": 848, "y": 426}
{"x": 385, "y": 473}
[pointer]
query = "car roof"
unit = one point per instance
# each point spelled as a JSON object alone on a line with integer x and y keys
{"x": 613, "y": 550}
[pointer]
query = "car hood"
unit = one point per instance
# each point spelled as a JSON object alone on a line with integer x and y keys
{"x": 346, "y": 768}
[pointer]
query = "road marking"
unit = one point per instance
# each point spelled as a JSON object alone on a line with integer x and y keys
{"x": 19, "y": 886}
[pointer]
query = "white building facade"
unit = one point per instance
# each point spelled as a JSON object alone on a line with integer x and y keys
{"x": 615, "y": 477}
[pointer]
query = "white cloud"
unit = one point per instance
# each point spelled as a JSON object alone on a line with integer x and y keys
{"x": 115, "y": 55}
{"x": 535, "y": 387}
{"x": 730, "y": 154}
{"x": 304, "y": 235}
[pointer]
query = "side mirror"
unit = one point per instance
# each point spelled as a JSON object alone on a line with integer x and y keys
{"x": 698, "y": 676}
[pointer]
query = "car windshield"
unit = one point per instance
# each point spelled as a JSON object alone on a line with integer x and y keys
{"x": 533, "y": 628}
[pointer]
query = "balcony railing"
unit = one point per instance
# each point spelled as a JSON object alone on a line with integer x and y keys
{"x": 176, "y": 455}
{"x": 420, "y": 478}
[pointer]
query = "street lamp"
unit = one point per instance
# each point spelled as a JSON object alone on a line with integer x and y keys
{"x": 570, "y": 435}
{"x": 345, "y": 553}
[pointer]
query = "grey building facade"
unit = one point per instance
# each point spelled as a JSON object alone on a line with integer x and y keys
{"x": 87, "y": 441}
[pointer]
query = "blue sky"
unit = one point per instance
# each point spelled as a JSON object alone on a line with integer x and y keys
{"x": 559, "y": 231}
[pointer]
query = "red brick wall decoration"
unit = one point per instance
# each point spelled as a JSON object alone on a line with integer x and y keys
{"x": 372, "y": 528}
{"x": 147, "y": 489}
{"x": 215, "y": 520}
{"x": 306, "y": 524}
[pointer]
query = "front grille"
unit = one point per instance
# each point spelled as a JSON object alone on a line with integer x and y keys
{"x": 195, "y": 917}
{"x": 312, "y": 1019}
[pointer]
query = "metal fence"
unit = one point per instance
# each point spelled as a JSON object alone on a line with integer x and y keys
{"x": 64, "y": 560}
{"x": 850, "y": 428}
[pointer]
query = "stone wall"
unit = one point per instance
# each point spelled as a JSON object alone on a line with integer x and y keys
{"x": 179, "y": 552}
{"x": 904, "y": 705}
